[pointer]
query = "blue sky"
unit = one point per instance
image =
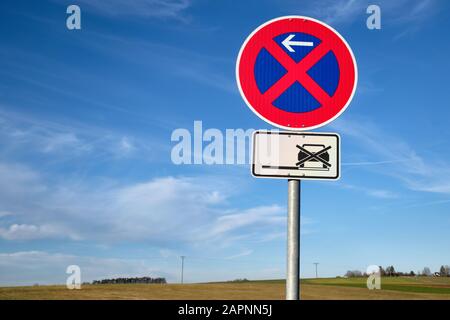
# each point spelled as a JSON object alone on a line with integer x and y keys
{"x": 86, "y": 118}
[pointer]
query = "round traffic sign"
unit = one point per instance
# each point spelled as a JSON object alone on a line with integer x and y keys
{"x": 296, "y": 73}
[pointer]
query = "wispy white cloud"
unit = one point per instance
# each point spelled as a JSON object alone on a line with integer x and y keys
{"x": 32, "y": 232}
{"x": 438, "y": 183}
{"x": 23, "y": 133}
{"x": 383, "y": 194}
{"x": 397, "y": 157}
{"x": 348, "y": 11}
{"x": 372, "y": 139}
{"x": 48, "y": 76}
{"x": 371, "y": 192}
{"x": 166, "y": 253}
{"x": 173, "y": 9}
{"x": 200, "y": 67}
{"x": 264, "y": 215}
{"x": 333, "y": 11}
{"x": 413, "y": 11}
{"x": 162, "y": 210}
{"x": 413, "y": 14}
{"x": 13, "y": 179}
{"x": 240, "y": 255}
{"x": 126, "y": 146}
{"x": 5, "y": 214}
{"x": 61, "y": 141}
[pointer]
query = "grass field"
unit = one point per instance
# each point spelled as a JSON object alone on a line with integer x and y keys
{"x": 327, "y": 288}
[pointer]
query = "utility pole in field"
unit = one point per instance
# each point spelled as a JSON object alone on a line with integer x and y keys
{"x": 316, "y": 263}
{"x": 182, "y": 268}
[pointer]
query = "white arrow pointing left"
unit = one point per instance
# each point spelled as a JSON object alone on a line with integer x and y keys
{"x": 288, "y": 43}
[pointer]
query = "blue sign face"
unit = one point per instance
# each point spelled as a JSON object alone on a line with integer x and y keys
{"x": 296, "y": 98}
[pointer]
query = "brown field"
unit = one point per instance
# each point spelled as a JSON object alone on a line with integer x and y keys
{"x": 397, "y": 288}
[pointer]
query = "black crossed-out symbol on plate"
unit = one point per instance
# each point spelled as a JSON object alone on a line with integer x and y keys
{"x": 314, "y": 155}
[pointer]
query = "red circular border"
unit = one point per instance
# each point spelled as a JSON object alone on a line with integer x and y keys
{"x": 305, "y": 120}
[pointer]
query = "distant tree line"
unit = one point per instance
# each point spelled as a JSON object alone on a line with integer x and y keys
{"x": 130, "y": 280}
{"x": 240, "y": 280}
{"x": 390, "y": 271}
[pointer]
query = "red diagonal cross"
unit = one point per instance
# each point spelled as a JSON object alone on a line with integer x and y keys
{"x": 297, "y": 72}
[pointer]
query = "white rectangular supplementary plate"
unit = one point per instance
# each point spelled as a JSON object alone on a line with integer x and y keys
{"x": 296, "y": 155}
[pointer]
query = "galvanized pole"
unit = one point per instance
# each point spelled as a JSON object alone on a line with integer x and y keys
{"x": 182, "y": 268}
{"x": 293, "y": 244}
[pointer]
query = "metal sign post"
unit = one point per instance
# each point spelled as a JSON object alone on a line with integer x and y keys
{"x": 293, "y": 243}
{"x": 295, "y": 156}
